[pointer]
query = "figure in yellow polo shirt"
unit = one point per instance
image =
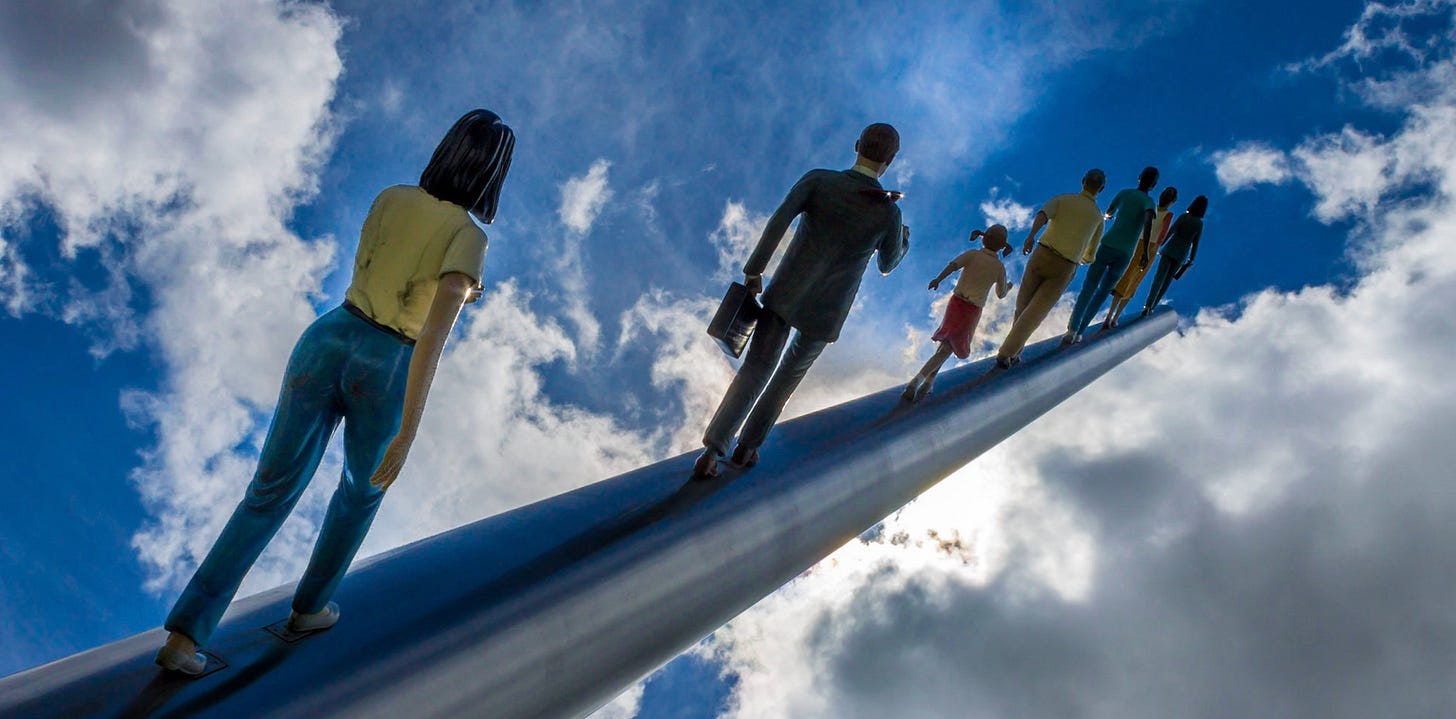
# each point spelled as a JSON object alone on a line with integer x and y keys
{"x": 369, "y": 363}
{"x": 1074, "y": 227}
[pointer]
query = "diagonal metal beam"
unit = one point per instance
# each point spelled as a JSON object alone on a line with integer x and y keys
{"x": 551, "y": 609}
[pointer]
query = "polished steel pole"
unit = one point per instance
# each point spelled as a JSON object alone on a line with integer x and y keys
{"x": 551, "y": 609}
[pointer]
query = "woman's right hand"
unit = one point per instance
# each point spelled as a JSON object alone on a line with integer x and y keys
{"x": 393, "y": 461}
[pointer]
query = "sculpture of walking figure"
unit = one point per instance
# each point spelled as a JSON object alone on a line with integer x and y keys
{"x": 1132, "y": 214}
{"x": 980, "y": 269}
{"x": 369, "y": 363}
{"x": 1142, "y": 261}
{"x": 1178, "y": 251}
{"x": 1074, "y": 227}
{"x": 847, "y": 217}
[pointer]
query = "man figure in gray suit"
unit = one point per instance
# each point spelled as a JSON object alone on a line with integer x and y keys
{"x": 847, "y": 216}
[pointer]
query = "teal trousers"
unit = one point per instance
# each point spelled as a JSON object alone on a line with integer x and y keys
{"x": 341, "y": 369}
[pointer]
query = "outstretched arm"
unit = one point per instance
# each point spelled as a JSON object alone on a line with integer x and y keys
{"x": 450, "y": 295}
{"x": 1036, "y": 224}
{"x": 949, "y": 268}
{"x": 773, "y": 232}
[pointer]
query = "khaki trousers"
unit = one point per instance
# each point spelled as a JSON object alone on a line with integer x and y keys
{"x": 1042, "y": 284}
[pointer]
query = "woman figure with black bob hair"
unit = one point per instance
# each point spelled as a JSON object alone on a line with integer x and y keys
{"x": 369, "y": 363}
{"x": 1178, "y": 251}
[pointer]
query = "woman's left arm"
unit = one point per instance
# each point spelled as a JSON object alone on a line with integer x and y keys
{"x": 450, "y": 295}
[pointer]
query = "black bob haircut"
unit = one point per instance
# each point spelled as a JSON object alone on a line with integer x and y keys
{"x": 470, "y": 164}
{"x": 1198, "y": 206}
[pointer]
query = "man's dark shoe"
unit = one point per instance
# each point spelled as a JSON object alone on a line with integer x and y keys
{"x": 707, "y": 465}
{"x": 745, "y": 456}
{"x": 1007, "y": 362}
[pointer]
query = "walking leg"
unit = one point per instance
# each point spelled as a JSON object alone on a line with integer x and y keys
{"x": 373, "y": 397}
{"x": 763, "y": 355}
{"x": 306, "y": 417}
{"x": 800, "y": 356}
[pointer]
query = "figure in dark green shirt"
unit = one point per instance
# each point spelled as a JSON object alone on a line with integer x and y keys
{"x": 1132, "y": 210}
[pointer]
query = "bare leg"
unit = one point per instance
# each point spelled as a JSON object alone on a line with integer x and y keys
{"x": 1114, "y": 312}
{"x": 920, "y": 385}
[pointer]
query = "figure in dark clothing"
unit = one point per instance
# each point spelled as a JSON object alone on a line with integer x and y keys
{"x": 1178, "y": 251}
{"x": 846, "y": 217}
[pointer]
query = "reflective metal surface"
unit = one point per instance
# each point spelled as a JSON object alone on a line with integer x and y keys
{"x": 551, "y": 609}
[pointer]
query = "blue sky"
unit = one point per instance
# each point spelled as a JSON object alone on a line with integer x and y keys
{"x": 181, "y": 190}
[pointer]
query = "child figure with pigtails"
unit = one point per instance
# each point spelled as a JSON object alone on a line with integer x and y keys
{"x": 980, "y": 270}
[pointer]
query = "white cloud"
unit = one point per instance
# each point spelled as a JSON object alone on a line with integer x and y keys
{"x": 735, "y": 237}
{"x": 177, "y": 165}
{"x": 1248, "y": 519}
{"x": 16, "y": 284}
{"x": 1249, "y": 165}
{"x": 625, "y": 706}
{"x": 582, "y": 198}
{"x": 1002, "y": 210}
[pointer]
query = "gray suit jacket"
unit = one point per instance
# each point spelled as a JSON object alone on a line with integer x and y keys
{"x": 841, "y": 227}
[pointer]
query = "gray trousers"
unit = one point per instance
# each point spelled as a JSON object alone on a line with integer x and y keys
{"x": 763, "y": 384}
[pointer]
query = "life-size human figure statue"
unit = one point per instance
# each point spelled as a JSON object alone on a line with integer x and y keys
{"x": 1142, "y": 260}
{"x": 369, "y": 363}
{"x": 1179, "y": 251}
{"x": 981, "y": 270}
{"x": 846, "y": 217}
{"x": 1132, "y": 215}
{"x": 1073, "y": 225}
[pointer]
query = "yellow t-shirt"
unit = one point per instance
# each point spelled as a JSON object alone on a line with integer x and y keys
{"x": 1075, "y": 226}
{"x": 980, "y": 270}
{"x": 410, "y": 239}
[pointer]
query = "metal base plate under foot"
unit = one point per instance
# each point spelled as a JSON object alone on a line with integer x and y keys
{"x": 281, "y": 630}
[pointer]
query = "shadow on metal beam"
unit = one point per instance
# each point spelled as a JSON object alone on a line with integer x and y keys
{"x": 551, "y": 609}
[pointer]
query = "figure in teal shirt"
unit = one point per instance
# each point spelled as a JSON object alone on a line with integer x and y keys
{"x": 1132, "y": 210}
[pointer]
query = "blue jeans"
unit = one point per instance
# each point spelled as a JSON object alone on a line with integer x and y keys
{"x": 341, "y": 368}
{"x": 763, "y": 384}
{"x": 1102, "y": 276}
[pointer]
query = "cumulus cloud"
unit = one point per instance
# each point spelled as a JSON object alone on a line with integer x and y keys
{"x": 735, "y": 237}
{"x": 1248, "y": 519}
{"x": 1249, "y": 165}
{"x": 1003, "y": 210}
{"x": 16, "y": 284}
{"x": 180, "y": 192}
{"x": 582, "y": 198}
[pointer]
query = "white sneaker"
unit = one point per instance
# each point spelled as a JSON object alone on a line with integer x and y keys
{"x": 179, "y": 661}
{"x": 314, "y": 622}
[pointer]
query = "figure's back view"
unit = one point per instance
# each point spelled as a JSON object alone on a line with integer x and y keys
{"x": 844, "y": 218}
{"x": 368, "y": 363}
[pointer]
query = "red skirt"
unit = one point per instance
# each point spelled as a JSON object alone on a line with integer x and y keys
{"x": 958, "y": 326}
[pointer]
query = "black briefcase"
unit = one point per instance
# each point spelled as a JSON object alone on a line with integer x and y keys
{"x": 735, "y": 319}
